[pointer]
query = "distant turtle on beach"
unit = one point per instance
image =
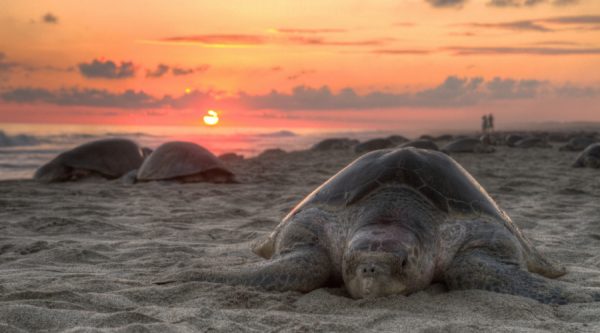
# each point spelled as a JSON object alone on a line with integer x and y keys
{"x": 578, "y": 143}
{"x": 532, "y": 142}
{"x": 467, "y": 145}
{"x": 374, "y": 144}
{"x": 512, "y": 139}
{"x": 334, "y": 144}
{"x": 108, "y": 158}
{"x": 589, "y": 158}
{"x": 184, "y": 162}
{"x": 393, "y": 222}
{"x": 421, "y": 143}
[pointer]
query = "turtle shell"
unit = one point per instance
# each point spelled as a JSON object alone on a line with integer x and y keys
{"x": 433, "y": 174}
{"x": 463, "y": 145}
{"x": 180, "y": 159}
{"x": 111, "y": 158}
{"x": 590, "y": 157}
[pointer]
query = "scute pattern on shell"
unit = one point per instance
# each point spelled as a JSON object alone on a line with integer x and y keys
{"x": 178, "y": 159}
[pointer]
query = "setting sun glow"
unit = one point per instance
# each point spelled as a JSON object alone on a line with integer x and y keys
{"x": 211, "y": 118}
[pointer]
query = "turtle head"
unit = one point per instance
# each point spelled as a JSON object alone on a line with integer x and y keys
{"x": 382, "y": 261}
{"x": 54, "y": 171}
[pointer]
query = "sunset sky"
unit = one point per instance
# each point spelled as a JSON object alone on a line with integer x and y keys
{"x": 339, "y": 64}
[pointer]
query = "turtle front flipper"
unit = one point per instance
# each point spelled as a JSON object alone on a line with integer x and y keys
{"x": 478, "y": 269}
{"x": 301, "y": 269}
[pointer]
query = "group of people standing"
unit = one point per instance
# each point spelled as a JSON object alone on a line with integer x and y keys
{"x": 487, "y": 124}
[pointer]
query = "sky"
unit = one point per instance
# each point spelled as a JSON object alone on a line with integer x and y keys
{"x": 337, "y": 64}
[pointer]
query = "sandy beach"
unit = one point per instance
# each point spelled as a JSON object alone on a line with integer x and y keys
{"x": 81, "y": 257}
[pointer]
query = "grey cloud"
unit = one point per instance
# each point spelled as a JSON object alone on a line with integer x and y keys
{"x": 160, "y": 70}
{"x": 499, "y": 88}
{"x": 81, "y": 97}
{"x": 581, "y": 19}
{"x": 453, "y": 92}
{"x": 163, "y": 69}
{"x": 177, "y": 71}
{"x": 447, "y": 3}
{"x": 107, "y": 69}
{"x": 50, "y": 18}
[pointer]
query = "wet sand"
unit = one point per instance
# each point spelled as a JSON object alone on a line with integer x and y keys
{"x": 80, "y": 257}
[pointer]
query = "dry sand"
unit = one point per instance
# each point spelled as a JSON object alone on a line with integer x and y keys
{"x": 80, "y": 257}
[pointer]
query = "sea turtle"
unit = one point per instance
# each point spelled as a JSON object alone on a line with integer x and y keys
{"x": 444, "y": 137}
{"x": 578, "y": 143}
{"x": 397, "y": 139}
{"x": 531, "y": 142}
{"x": 393, "y": 222}
{"x": 590, "y": 157}
{"x": 421, "y": 143}
{"x": 374, "y": 144}
{"x": 512, "y": 139}
{"x": 109, "y": 158}
{"x": 467, "y": 145}
{"x": 185, "y": 162}
{"x": 335, "y": 144}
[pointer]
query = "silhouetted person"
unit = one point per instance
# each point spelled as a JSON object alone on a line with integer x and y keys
{"x": 491, "y": 122}
{"x": 485, "y": 124}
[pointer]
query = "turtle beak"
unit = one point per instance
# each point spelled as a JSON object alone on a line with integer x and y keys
{"x": 367, "y": 287}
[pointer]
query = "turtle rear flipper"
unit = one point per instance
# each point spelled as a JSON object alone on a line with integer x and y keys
{"x": 303, "y": 269}
{"x": 478, "y": 269}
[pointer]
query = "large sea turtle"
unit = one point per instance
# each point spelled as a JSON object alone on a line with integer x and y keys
{"x": 578, "y": 143}
{"x": 467, "y": 145}
{"x": 589, "y": 158}
{"x": 392, "y": 222}
{"x": 109, "y": 158}
{"x": 185, "y": 162}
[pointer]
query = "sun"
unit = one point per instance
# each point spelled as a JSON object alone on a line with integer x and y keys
{"x": 211, "y": 118}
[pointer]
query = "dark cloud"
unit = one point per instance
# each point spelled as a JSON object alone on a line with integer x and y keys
{"x": 550, "y": 51}
{"x": 50, "y": 18}
{"x": 107, "y": 69}
{"x": 161, "y": 69}
{"x": 82, "y": 97}
{"x": 581, "y": 19}
{"x": 499, "y": 88}
{"x": 552, "y": 24}
{"x": 447, "y": 3}
{"x": 453, "y": 92}
{"x": 177, "y": 71}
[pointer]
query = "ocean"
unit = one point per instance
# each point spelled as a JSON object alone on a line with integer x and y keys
{"x": 25, "y": 147}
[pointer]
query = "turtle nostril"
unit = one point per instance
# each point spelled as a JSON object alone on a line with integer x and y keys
{"x": 404, "y": 263}
{"x": 372, "y": 270}
{"x": 364, "y": 270}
